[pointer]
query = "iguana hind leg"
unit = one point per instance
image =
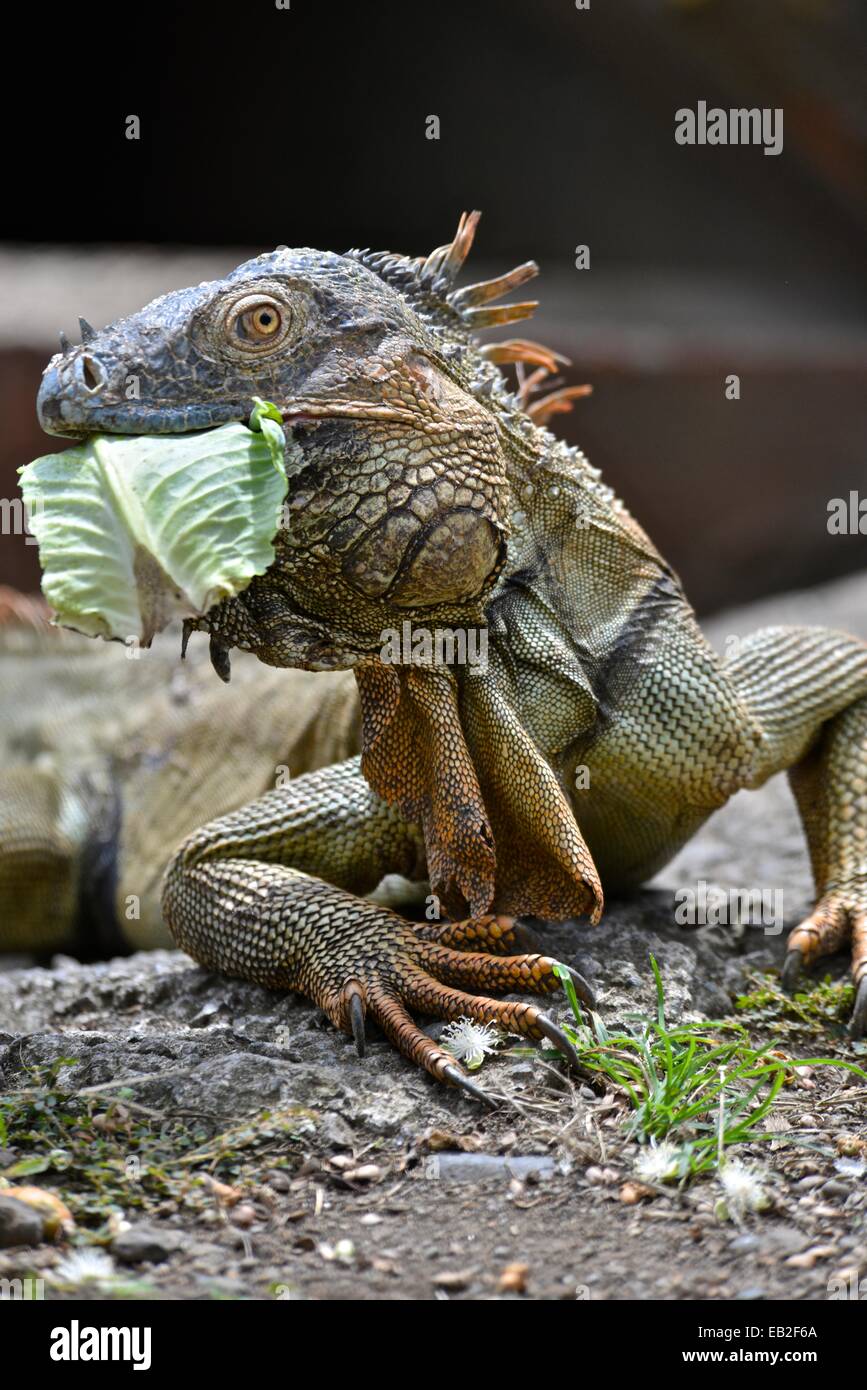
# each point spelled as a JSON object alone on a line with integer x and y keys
{"x": 808, "y": 688}
{"x": 830, "y": 786}
{"x": 268, "y": 894}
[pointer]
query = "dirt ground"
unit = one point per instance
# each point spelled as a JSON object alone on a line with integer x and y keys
{"x": 499, "y": 1206}
{"x": 355, "y": 1178}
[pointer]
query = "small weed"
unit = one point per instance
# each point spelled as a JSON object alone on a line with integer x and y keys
{"x": 827, "y": 1004}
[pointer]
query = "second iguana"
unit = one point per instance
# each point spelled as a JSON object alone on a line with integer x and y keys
{"x": 109, "y": 757}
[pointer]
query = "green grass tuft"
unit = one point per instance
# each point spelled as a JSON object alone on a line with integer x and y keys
{"x": 701, "y": 1086}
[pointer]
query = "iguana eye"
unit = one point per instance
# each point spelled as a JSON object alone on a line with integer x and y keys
{"x": 262, "y": 322}
{"x": 256, "y": 322}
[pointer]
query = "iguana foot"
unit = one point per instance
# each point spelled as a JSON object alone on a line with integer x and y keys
{"x": 838, "y": 918}
{"x": 384, "y": 978}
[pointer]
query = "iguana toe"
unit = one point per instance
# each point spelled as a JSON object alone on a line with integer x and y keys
{"x": 793, "y": 966}
{"x": 494, "y": 932}
{"x": 858, "y": 1021}
{"x": 500, "y": 935}
{"x": 837, "y": 920}
{"x": 455, "y": 1077}
{"x": 356, "y": 1020}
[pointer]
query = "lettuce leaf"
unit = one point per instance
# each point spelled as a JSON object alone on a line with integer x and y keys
{"x": 136, "y": 530}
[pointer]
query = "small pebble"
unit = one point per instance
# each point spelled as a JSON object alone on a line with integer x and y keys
{"x": 742, "y": 1245}
{"x": 19, "y": 1223}
{"x": 454, "y": 1280}
{"x": 280, "y": 1181}
{"x": 808, "y": 1258}
{"x": 367, "y": 1172}
{"x": 631, "y": 1193}
{"x": 514, "y": 1278}
{"x": 140, "y": 1244}
{"x": 605, "y": 1176}
{"x": 807, "y": 1184}
{"x": 836, "y": 1189}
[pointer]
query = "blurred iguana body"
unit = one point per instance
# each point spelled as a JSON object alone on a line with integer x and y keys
{"x": 107, "y": 763}
{"x": 599, "y": 735}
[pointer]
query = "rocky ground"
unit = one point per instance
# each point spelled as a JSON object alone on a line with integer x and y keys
{"x": 210, "y": 1138}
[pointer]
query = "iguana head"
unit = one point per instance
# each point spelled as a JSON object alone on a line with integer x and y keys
{"x": 321, "y": 335}
{"x": 399, "y": 500}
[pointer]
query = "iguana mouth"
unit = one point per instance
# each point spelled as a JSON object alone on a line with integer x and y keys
{"x": 70, "y": 411}
{"x": 64, "y": 416}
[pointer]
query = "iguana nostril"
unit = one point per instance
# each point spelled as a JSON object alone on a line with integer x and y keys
{"x": 91, "y": 373}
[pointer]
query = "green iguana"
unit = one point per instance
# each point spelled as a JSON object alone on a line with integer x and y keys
{"x": 598, "y": 735}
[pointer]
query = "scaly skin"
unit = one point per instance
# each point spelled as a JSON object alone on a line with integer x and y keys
{"x": 106, "y": 763}
{"x": 423, "y": 489}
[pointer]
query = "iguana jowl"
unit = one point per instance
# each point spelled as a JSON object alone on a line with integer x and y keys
{"x": 422, "y": 488}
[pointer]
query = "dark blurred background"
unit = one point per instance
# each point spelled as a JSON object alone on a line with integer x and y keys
{"x": 307, "y": 126}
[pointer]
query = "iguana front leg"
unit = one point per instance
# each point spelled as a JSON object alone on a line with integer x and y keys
{"x": 808, "y": 689}
{"x": 268, "y": 894}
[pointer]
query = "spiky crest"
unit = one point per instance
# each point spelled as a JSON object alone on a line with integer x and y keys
{"x": 427, "y": 283}
{"x": 456, "y": 315}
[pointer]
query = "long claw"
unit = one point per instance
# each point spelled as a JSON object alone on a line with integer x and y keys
{"x": 457, "y": 1078}
{"x": 858, "y": 1021}
{"x": 792, "y": 967}
{"x": 220, "y": 659}
{"x": 549, "y": 1028}
{"x": 583, "y": 988}
{"x": 356, "y": 1018}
